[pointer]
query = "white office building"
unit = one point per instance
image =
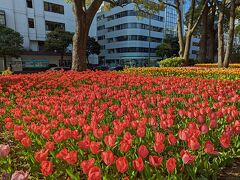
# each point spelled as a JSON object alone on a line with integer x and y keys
{"x": 129, "y": 40}
{"x": 124, "y": 37}
{"x": 33, "y": 19}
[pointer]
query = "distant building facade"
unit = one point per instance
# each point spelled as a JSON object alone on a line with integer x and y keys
{"x": 33, "y": 19}
{"x": 129, "y": 40}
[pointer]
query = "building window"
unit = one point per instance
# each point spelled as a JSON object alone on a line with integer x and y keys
{"x": 101, "y": 27}
{"x": 101, "y": 37}
{"x": 195, "y": 52}
{"x": 41, "y": 46}
{"x": 99, "y": 18}
{"x": 55, "y": 8}
{"x": 51, "y": 26}
{"x": 30, "y": 23}
{"x": 195, "y": 43}
{"x": 2, "y": 18}
{"x": 29, "y": 4}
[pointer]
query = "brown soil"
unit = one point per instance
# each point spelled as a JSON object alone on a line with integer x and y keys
{"x": 231, "y": 172}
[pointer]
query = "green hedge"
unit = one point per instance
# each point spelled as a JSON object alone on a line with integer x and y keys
{"x": 172, "y": 62}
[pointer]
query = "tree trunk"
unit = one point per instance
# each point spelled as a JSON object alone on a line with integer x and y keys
{"x": 80, "y": 43}
{"x": 180, "y": 29}
{"x": 204, "y": 37}
{"x": 61, "y": 61}
{"x": 211, "y": 33}
{"x": 220, "y": 35}
{"x": 187, "y": 47}
{"x": 191, "y": 28}
{"x": 230, "y": 34}
{"x": 84, "y": 17}
{"x": 5, "y": 62}
{"x": 189, "y": 34}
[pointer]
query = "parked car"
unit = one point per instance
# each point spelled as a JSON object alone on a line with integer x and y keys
{"x": 60, "y": 68}
{"x": 116, "y": 68}
{"x": 52, "y": 65}
{"x": 102, "y": 68}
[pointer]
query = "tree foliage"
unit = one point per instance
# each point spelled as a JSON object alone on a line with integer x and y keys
{"x": 164, "y": 50}
{"x": 10, "y": 42}
{"x": 168, "y": 48}
{"x": 58, "y": 41}
{"x": 93, "y": 47}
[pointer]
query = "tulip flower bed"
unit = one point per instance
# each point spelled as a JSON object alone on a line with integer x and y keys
{"x": 104, "y": 125}
{"x": 216, "y": 65}
{"x": 213, "y": 73}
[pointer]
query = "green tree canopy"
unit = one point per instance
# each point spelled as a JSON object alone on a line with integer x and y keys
{"x": 93, "y": 47}
{"x": 58, "y": 40}
{"x": 10, "y": 43}
{"x": 164, "y": 49}
{"x": 169, "y": 47}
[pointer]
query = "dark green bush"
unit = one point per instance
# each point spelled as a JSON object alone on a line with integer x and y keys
{"x": 192, "y": 62}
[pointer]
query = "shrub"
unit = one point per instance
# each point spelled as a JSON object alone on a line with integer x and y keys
{"x": 192, "y": 62}
{"x": 7, "y": 72}
{"x": 172, "y": 62}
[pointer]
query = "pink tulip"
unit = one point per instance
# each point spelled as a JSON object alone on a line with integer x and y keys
{"x": 4, "y": 150}
{"x": 19, "y": 175}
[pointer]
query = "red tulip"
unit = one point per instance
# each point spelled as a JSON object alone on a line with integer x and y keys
{"x": 159, "y": 137}
{"x": 41, "y": 155}
{"x": 62, "y": 154}
{"x": 71, "y": 157}
{"x": 94, "y": 147}
{"x": 94, "y": 173}
{"x": 193, "y": 144}
{"x": 49, "y": 146}
{"x": 127, "y": 137}
{"x": 138, "y": 164}
{"x": 204, "y": 129}
{"x": 209, "y": 148}
{"x": 213, "y": 123}
{"x": 171, "y": 165}
{"x": 187, "y": 158}
{"x": 143, "y": 151}
{"x": 122, "y": 164}
{"x": 237, "y": 126}
{"x": 172, "y": 139}
{"x": 26, "y": 141}
{"x": 46, "y": 168}
{"x": 19, "y": 134}
{"x": 155, "y": 160}
{"x": 124, "y": 146}
{"x": 108, "y": 157}
{"x": 182, "y": 134}
{"x": 141, "y": 132}
{"x": 86, "y": 165}
{"x": 85, "y": 143}
{"x": 110, "y": 140}
{"x": 159, "y": 147}
{"x": 225, "y": 141}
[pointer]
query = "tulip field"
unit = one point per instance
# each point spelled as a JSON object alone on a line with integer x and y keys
{"x": 201, "y": 71}
{"x": 108, "y": 125}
